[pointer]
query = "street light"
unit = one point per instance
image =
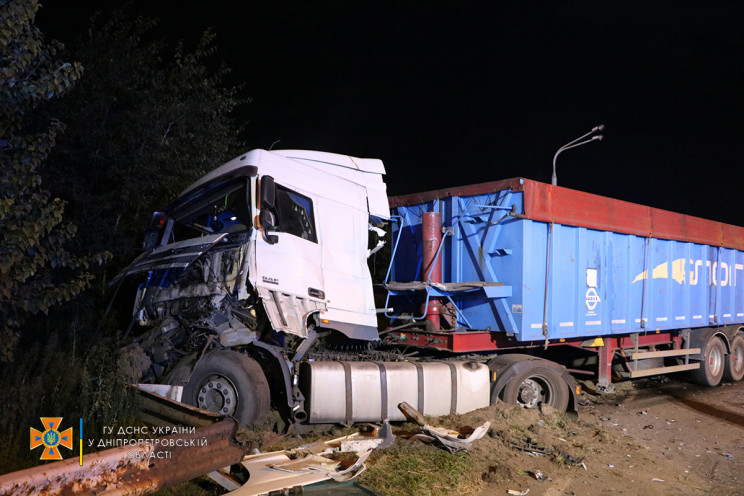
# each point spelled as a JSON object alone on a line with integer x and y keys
{"x": 574, "y": 144}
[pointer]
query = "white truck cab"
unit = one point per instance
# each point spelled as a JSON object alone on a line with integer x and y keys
{"x": 254, "y": 258}
{"x": 309, "y": 255}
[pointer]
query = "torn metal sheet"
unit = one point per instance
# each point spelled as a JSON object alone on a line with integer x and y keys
{"x": 310, "y": 463}
{"x": 452, "y": 440}
{"x": 277, "y": 471}
{"x": 264, "y": 479}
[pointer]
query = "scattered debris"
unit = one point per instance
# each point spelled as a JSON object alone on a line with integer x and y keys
{"x": 643, "y": 412}
{"x": 727, "y": 455}
{"x": 538, "y": 475}
{"x": 381, "y": 438}
{"x": 657, "y": 480}
{"x": 649, "y": 426}
{"x": 452, "y": 440}
{"x": 309, "y": 463}
{"x": 531, "y": 448}
{"x": 512, "y": 492}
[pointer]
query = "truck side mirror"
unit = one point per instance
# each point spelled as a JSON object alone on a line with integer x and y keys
{"x": 268, "y": 193}
{"x": 267, "y": 218}
{"x": 268, "y": 223}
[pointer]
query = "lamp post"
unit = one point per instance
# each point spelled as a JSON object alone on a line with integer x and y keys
{"x": 574, "y": 144}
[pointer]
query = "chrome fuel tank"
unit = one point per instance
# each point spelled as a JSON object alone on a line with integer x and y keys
{"x": 371, "y": 391}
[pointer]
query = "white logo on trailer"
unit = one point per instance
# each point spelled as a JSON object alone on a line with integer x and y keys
{"x": 592, "y": 298}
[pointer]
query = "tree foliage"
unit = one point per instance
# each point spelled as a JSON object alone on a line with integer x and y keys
{"x": 37, "y": 269}
{"x": 151, "y": 118}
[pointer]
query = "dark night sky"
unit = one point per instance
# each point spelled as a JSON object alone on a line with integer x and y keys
{"x": 463, "y": 92}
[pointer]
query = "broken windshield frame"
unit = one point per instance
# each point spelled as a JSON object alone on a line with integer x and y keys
{"x": 223, "y": 208}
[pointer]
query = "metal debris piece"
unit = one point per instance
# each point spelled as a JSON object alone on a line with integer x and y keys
{"x": 450, "y": 439}
{"x": 512, "y": 492}
{"x": 306, "y": 464}
{"x": 309, "y": 462}
{"x": 264, "y": 479}
{"x": 381, "y": 438}
{"x": 538, "y": 475}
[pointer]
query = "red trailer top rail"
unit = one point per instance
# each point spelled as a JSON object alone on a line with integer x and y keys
{"x": 548, "y": 203}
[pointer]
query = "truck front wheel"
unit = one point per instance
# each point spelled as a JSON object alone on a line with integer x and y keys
{"x": 535, "y": 386}
{"x": 229, "y": 383}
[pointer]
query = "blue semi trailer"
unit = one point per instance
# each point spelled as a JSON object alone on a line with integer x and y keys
{"x": 257, "y": 293}
{"x": 599, "y": 285}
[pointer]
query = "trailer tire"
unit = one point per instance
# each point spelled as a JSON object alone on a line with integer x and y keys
{"x": 535, "y": 386}
{"x": 229, "y": 383}
{"x": 734, "y": 369}
{"x": 711, "y": 368}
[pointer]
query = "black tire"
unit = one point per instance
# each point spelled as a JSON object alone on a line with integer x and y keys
{"x": 539, "y": 385}
{"x": 733, "y": 371}
{"x": 711, "y": 368}
{"x": 230, "y": 383}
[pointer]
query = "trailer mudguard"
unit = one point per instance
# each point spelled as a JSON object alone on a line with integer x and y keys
{"x": 699, "y": 337}
{"x": 505, "y": 367}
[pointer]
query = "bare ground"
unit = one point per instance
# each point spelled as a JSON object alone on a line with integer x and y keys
{"x": 649, "y": 438}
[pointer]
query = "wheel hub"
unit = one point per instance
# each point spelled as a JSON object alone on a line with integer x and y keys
{"x": 738, "y": 357}
{"x": 530, "y": 393}
{"x": 715, "y": 361}
{"x": 217, "y": 394}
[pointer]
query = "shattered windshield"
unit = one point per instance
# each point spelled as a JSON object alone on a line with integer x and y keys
{"x": 222, "y": 209}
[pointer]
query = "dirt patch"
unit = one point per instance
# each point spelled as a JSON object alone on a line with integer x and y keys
{"x": 651, "y": 438}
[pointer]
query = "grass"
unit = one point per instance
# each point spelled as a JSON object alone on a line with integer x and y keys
{"x": 406, "y": 470}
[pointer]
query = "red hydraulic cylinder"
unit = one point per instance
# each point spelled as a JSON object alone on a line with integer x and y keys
{"x": 431, "y": 227}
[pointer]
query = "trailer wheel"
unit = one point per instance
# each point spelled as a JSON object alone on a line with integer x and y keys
{"x": 734, "y": 368}
{"x": 712, "y": 364}
{"x": 537, "y": 386}
{"x": 229, "y": 383}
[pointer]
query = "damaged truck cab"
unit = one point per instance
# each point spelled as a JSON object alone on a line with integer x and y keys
{"x": 247, "y": 267}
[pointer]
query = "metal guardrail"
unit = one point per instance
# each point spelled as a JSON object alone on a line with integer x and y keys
{"x": 171, "y": 460}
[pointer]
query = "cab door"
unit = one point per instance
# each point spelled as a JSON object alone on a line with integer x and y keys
{"x": 287, "y": 264}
